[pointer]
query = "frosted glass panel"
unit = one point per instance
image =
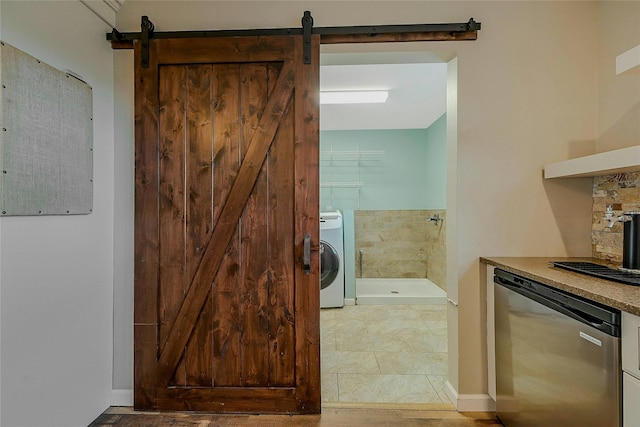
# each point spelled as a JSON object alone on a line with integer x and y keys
{"x": 46, "y": 145}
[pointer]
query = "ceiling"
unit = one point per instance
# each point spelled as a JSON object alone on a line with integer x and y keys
{"x": 417, "y": 95}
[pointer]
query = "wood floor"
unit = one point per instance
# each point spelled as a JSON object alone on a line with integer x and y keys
{"x": 332, "y": 416}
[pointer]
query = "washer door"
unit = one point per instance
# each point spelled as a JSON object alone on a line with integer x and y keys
{"x": 329, "y": 264}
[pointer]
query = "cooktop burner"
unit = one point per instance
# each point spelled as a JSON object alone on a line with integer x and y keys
{"x": 600, "y": 271}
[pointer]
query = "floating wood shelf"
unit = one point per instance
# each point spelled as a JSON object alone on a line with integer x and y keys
{"x": 609, "y": 162}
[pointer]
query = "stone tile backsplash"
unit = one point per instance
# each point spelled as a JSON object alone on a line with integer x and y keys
{"x": 401, "y": 244}
{"x": 622, "y": 191}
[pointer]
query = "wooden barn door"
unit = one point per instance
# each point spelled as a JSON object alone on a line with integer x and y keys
{"x": 226, "y": 317}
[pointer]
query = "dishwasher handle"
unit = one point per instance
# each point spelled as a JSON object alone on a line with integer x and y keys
{"x": 592, "y": 308}
{"x": 558, "y": 306}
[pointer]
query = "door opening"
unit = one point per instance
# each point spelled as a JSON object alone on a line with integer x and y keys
{"x": 369, "y": 352}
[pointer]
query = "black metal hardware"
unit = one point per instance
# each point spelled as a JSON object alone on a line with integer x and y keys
{"x": 306, "y": 31}
{"x": 116, "y": 35}
{"x": 307, "y": 254}
{"x": 147, "y": 32}
{"x": 307, "y": 24}
{"x": 471, "y": 25}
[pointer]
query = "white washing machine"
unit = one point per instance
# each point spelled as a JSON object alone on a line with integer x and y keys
{"x": 331, "y": 260}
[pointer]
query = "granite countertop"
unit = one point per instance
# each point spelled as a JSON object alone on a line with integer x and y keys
{"x": 613, "y": 294}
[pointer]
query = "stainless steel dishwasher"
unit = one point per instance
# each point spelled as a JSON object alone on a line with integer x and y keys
{"x": 557, "y": 357}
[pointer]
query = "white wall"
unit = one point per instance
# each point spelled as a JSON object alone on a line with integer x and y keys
{"x": 526, "y": 94}
{"x": 56, "y": 277}
{"x": 618, "y": 95}
{"x": 123, "y": 225}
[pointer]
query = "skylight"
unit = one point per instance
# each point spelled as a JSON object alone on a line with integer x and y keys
{"x": 354, "y": 97}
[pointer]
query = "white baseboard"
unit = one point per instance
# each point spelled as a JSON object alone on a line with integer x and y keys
{"x": 470, "y": 402}
{"x": 349, "y": 301}
{"x": 451, "y": 392}
{"x": 122, "y": 397}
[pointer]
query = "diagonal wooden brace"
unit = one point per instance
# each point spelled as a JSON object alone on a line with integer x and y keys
{"x": 225, "y": 226}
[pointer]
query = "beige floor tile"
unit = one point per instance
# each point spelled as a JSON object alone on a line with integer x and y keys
{"x": 330, "y": 387}
{"x": 386, "y": 388}
{"x": 432, "y": 312}
{"x": 437, "y": 327}
{"x": 396, "y": 363}
{"x": 394, "y": 312}
{"x": 426, "y": 343}
{"x": 370, "y": 342}
{"x": 438, "y": 382}
{"x": 438, "y": 316}
{"x": 327, "y": 314}
{"x": 400, "y": 327}
{"x": 350, "y": 312}
{"x": 327, "y": 342}
{"x": 349, "y": 362}
{"x": 361, "y": 313}
{"x": 384, "y": 353}
{"x": 335, "y": 326}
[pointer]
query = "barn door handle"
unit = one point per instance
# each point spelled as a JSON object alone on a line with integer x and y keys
{"x": 307, "y": 254}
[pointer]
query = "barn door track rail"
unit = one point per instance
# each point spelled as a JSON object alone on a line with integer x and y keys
{"x": 328, "y": 35}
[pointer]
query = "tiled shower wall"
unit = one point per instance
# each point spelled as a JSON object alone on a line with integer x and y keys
{"x": 401, "y": 243}
{"x": 622, "y": 191}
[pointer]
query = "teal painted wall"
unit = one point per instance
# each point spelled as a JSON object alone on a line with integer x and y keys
{"x": 410, "y": 175}
{"x": 436, "y": 165}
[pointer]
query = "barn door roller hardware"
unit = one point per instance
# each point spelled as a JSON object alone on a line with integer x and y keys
{"x": 328, "y": 35}
{"x": 307, "y": 28}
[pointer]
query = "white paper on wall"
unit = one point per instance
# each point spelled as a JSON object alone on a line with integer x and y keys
{"x": 46, "y": 143}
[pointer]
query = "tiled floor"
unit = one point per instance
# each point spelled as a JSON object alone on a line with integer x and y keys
{"x": 384, "y": 353}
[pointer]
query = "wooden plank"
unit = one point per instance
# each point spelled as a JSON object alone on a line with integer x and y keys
{"x": 229, "y": 399}
{"x": 199, "y": 209}
{"x": 226, "y": 155}
{"x": 254, "y": 237}
{"x": 126, "y": 44}
{"x": 226, "y": 296}
{"x": 281, "y": 256}
{"x": 213, "y": 50}
{"x": 145, "y": 344}
{"x": 146, "y": 192}
{"x": 398, "y": 37}
{"x": 171, "y": 279}
{"x": 226, "y": 225}
{"x": 307, "y": 220}
{"x": 145, "y": 233}
{"x": 358, "y": 38}
{"x": 364, "y": 415}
